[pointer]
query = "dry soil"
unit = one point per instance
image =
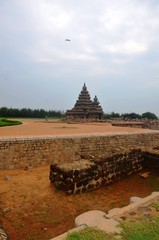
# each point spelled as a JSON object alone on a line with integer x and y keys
{"x": 30, "y": 206}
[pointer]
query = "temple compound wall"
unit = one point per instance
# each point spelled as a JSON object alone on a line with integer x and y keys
{"x": 17, "y": 153}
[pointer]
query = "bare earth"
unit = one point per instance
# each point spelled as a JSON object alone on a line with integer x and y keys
{"x": 31, "y": 128}
{"x": 30, "y": 206}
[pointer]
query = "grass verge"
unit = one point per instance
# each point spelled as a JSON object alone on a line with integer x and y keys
{"x": 6, "y": 122}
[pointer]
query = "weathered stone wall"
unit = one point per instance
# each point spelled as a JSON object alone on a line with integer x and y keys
{"x": 18, "y": 153}
{"x": 151, "y": 159}
{"x": 151, "y": 124}
{"x": 129, "y": 124}
{"x": 85, "y": 175}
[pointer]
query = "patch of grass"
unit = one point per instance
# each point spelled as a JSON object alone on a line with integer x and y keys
{"x": 142, "y": 229}
{"x": 123, "y": 205}
{"x": 156, "y": 206}
{"x": 112, "y": 204}
{"x": 65, "y": 127}
{"x": 90, "y": 234}
{"x": 6, "y": 122}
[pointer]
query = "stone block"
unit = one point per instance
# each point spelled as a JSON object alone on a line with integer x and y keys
{"x": 97, "y": 218}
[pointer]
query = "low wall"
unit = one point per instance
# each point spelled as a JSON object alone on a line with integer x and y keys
{"x": 20, "y": 152}
{"x": 151, "y": 124}
{"x": 129, "y": 124}
{"x": 85, "y": 175}
{"x": 151, "y": 160}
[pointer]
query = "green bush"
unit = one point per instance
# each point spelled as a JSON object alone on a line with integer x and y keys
{"x": 149, "y": 115}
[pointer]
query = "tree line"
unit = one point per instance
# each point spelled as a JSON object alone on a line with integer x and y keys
{"x": 146, "y": 115}
{"x": 41, "y": 113}
{"x": 29, "y": 113}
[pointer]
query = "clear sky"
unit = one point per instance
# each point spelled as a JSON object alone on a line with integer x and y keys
{"x": 114, "y": 49}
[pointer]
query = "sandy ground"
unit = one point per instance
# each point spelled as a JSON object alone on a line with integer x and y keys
{"x": 31, "y": 128}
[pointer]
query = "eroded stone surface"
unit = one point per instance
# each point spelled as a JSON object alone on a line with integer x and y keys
{"x": 96, "y": 218}
{"x": 135, "y": 199}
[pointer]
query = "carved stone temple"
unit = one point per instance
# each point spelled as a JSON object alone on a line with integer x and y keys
{"x": 84, "y": 107}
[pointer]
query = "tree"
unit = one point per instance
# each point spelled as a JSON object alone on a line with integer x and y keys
{"x": 111, "y": 115}
{"x": 3, "y": 112}
{"x": 29, "y": 113}
{"x": 114, "y": 115}
{"x": 149, "y": 115}
{"x": 131, "y": 115}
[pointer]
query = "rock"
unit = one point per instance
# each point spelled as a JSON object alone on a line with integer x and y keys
{"x": 144, "y": 175}
{"x": 135, "y": 199}
{"x": 45, "y": 229}
{"x": 5, "y": 210}
{"x": 114, "y": 211}
{"x": 143, "y": 209}
{"x": 8, "y": 178}
{"x": 28, "y": 167}
{"x": 3, "y": 235}
{"x": 96, "y": 218}
{"x": 154, "y": 193}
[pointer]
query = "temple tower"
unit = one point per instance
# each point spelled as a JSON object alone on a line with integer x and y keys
{"x": 84, "y": 107}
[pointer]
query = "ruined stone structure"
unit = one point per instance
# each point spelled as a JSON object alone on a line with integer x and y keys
{"x": 88, "y": 174}
{"x": 84, "y": 107}
{"x": 83, "y": 162}
{"x": 151, "y": 124}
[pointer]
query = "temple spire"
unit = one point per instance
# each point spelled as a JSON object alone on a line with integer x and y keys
{"x": 84, "y": 87}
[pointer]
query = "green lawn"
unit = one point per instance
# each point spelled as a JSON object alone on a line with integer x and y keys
{"x": 6, "y": 122}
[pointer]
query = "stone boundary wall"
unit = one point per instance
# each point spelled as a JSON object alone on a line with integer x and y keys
{"x": 17, "y": 153}
{"x": 85, "y": 175}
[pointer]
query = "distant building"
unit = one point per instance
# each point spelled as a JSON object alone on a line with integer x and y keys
{"x": 84, "y": 107}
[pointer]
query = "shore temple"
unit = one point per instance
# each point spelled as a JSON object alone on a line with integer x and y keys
{"x": 84, "y": 107}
